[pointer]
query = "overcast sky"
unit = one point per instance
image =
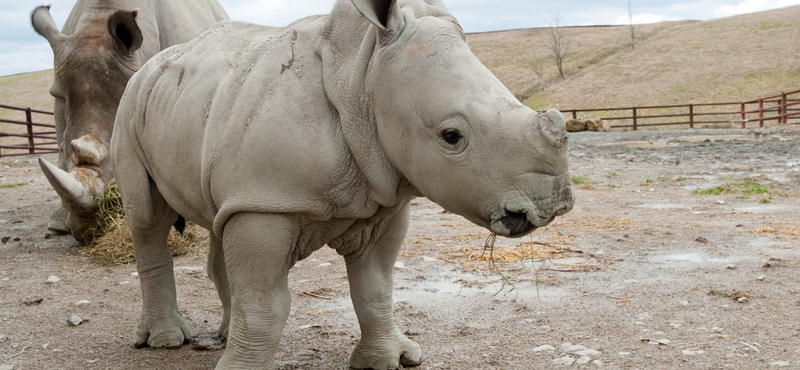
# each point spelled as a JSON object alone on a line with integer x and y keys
{"x": 22, "y": 50}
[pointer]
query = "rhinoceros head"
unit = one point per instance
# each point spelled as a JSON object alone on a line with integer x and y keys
{"x": 91, "y": 67}
{"x": 454, "y": 131}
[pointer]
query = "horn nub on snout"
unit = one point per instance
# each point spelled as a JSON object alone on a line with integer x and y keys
{"x": 79, "y": 187}
{"x": 553, "y": 127}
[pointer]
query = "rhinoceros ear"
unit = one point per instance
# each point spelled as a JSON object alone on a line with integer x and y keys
{"x": 123, "y": 28}
{"x": 44, "y": 25}
{"x": 379, "y": 12}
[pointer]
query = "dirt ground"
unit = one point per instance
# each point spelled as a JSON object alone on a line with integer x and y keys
{"x": 642, "y": 274}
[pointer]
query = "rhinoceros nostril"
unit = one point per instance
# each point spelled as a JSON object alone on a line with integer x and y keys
{"x": 517, "y": 223}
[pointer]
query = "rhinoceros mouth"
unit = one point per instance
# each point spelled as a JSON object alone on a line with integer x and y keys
{"x": 517, "y": 224}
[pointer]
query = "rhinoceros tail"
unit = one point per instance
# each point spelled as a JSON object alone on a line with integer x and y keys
{"x": 180, "y": 225}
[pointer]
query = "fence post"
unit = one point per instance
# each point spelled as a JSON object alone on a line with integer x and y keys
{"x": 635, "y": 123}
{"x": 29, "y": 120}
{"x": 744, "y": 115}
{"x": 574, "y": 114}
{"x": 691, "y": 115}
{"x": 784, "y": 109}
{"x": 761, "y": 112}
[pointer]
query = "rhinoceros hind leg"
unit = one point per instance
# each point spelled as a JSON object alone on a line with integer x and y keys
{"x": 382, "y": 345}
{"x": 58, "y": 222}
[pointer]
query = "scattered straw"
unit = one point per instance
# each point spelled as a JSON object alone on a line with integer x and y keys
{"x": 787, "y": 230}
{"x": 109, "y": 241}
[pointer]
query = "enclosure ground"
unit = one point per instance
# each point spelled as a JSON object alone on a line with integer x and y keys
{"x": 642, "y": 274}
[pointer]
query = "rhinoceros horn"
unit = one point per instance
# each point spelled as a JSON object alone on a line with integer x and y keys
{"x": 79, "y": 187}
{"x": 553, "y": 127}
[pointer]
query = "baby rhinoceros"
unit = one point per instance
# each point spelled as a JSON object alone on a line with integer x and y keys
{"x": 282, "y": 140}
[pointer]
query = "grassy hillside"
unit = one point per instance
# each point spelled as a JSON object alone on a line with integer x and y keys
{"x": 729, "y": 59}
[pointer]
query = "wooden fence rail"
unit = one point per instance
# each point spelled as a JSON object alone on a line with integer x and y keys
{"x": 39, "y": 138}
{"x": 782, "y": 109}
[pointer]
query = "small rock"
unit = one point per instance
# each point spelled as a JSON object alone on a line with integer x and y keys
{"x": 597, "y": 363}
{"x": 33, "y": 302}
{"x": 693, "y": 353}
{"x": 684, "y": 303}
{"x": 325, "y": 264}
{"x": 429, "y": 259}
{"x": 74, "y": 320}
{"x": 588, "y": 352}
{"x": 48, "y": 235}
{"x": 83, "y": 302}
{"x": 761, "y": 278}
{"x": 6, "y": 367}
{"x": 741, "y": 299}
{"x": 52, "y": 279}
{"x": 399, "y": 265}
{"x": 701, "y": 240}
{"x": 721, "y": 202}
{"x": 584, "y": 360}
{"x": 731, "y": 267}
{"x": 780, "y": 364}
{"x": 5, "y": 239}
{"x": 566, "y": 361}
{"x": 573, "y": 348}
{"x": 544, "y": 348}
{"x": 623, "y": 354}
{"x": 134, "y": 274}
{"x": 3, "y": 338}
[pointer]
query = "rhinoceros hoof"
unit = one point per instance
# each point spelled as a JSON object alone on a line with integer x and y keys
{"x": 386, "y": 354}
{"x": 223, "y": 326}
{"x": 168, "y": 332}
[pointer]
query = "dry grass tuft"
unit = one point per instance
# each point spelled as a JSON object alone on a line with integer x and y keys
{"x": 787, "y": 230}
{"x": 111, "y": 239}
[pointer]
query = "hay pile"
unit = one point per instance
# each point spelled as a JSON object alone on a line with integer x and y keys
{"x": 110, "y": 238}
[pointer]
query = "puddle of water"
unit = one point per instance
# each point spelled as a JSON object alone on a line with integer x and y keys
{"x": 760, "y": 208}
{"x": 663, "y": 206}
{"x": 426, "y": 290}
{"x": 687, "y": 259}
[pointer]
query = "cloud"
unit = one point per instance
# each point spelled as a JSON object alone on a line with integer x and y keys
{"x": 751, "y": 6}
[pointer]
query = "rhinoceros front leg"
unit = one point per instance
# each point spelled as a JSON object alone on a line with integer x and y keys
{"x": 257, "y": 250}
{"x": 59, "y": 222}
{"x": 219, "y": 276}
{"x": 369, "y": 270}
{"x": 150, "y": 219}
{"x": 161, "y": 325}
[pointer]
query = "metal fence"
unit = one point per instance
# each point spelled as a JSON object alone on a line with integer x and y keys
{"x": 30, "y": 137}
{"x": 779, "y": 109}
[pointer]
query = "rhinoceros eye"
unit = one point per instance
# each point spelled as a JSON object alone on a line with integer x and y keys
{"x": 451, "y": 136}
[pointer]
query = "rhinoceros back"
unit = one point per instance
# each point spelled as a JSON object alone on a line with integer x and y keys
{"x": 237, "y": 120}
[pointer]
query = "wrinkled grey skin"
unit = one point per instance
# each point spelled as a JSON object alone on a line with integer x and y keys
{"x": 103, "y": 43}
{"x": 283, "y": 140}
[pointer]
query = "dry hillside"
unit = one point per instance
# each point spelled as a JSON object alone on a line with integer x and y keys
{"x": 729, "y": 59}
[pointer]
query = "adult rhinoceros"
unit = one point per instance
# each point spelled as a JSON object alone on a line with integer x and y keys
{"x": 102, "y": 44}
{"x": 282, "y": 140}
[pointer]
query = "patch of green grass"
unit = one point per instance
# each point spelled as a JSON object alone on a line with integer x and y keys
{"x": 746, "y": 188}
{"x": 717, "y": 190}
{"x": 766, "y": 25}
{"x": 13, "y": 185}
{"x": 581, "y": 180}
{"x": 647, "y": 182}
